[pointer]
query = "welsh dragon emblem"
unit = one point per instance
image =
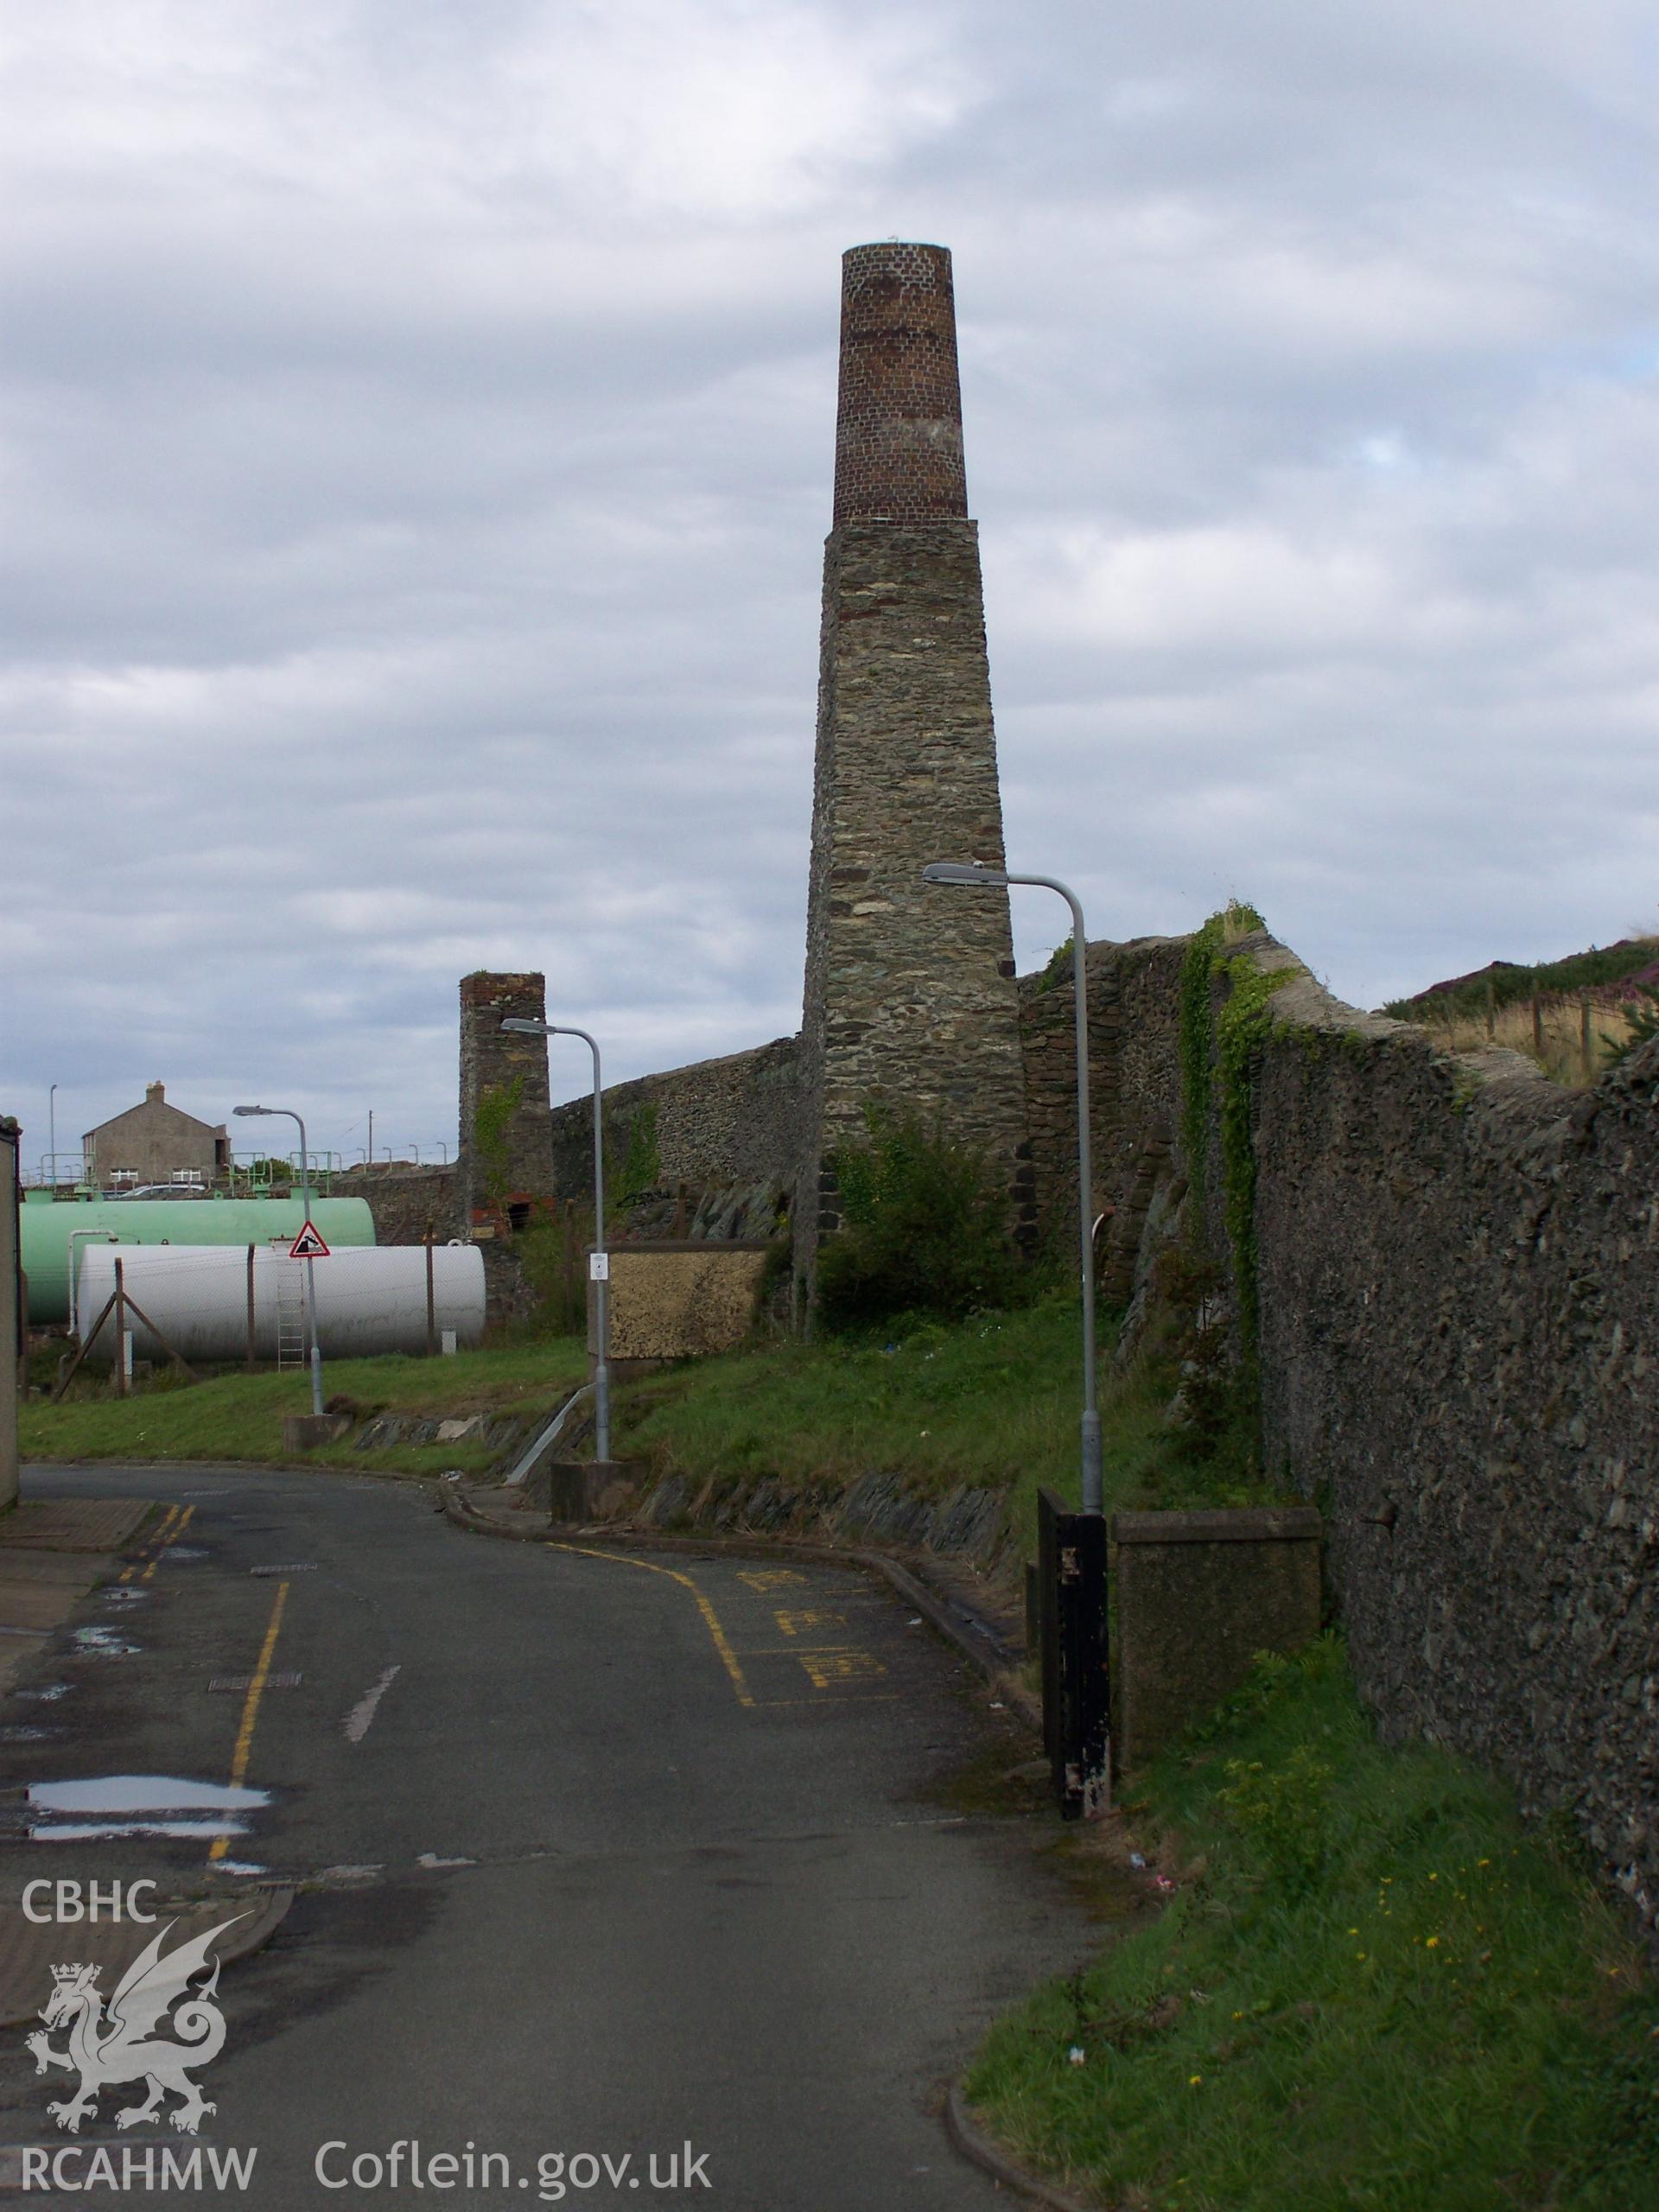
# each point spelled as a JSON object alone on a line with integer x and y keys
{"x": 118, "y": 2045}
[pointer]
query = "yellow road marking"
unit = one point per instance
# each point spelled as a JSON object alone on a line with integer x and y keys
{"x": 239, "y": 1757}
{"x": 710, "y": 1618}
{"x": 770, "y": 1578}
{"x": 171, "y": 1537}
{"x": 824, "y": 1667}
{"x": 127, "y": 1573}
{"x": 793, "y": 1623}
{"x": 791, "y": 1650}
{"x": 817, "y": 1704}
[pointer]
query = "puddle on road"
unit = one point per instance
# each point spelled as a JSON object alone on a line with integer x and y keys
{"x": 120, "y": 1594}
{"x": 182, "y": 1555}
{"x": 24, "y": 1732}
{"x": 106, "y": 1644}
{"x": 140, "y": 1804}
{"x": 47, "y": 1693}
{"x": 241, "y": 1866}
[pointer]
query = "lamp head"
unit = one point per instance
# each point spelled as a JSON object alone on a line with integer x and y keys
{"x": 965, "y": 872}
{"x": 525, "y": 1027}
{"x": 245, "y": 1110}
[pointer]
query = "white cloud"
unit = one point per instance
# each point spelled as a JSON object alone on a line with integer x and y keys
{"x": 416, "y": 430}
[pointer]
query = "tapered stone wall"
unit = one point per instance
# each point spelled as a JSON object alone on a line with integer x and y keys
{"x": 909, "y": 993}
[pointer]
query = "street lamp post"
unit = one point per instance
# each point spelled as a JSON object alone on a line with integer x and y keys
{"x": 600, "y": 1265}
{"x": 52, "y": 1134}
{"x": 974, "y": 872}
{"x": 286, "y": 1113}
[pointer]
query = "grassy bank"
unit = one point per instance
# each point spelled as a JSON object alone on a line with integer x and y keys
{"x": 1372, "y": 1990}
{"x": 993, "y": 1401}
{"x": 239, "y": 1416}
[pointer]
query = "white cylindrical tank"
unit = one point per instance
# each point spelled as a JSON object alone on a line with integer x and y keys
{"x": 370, "y": 1297}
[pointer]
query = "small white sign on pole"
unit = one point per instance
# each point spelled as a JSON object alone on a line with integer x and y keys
{"x": 599, "y": 1266}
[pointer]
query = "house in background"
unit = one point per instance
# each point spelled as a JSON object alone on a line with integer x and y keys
{"x": 156, "y": 1143}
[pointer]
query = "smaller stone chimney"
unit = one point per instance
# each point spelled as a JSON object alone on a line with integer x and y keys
{"x": 154, "y": 1094}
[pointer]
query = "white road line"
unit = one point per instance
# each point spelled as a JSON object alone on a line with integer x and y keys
{"x": 358, "y": 1719}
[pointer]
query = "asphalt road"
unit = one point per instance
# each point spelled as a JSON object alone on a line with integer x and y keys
{"x": 600, "y": 1856}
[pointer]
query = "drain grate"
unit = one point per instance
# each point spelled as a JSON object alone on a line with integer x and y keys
{"x": 301, "y": 1567}
{"x": 245, "y": 1682}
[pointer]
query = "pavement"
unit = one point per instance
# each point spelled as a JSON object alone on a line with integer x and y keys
{"x": 572, "y": 1857}
{"x": 52, "y": 1552}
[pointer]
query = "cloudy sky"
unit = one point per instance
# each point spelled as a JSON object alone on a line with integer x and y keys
{"x": 415, "y": 432}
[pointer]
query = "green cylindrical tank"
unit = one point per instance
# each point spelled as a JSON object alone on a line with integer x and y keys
{"x": 46, "y": 1224}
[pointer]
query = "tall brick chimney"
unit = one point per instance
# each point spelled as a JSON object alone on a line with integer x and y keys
{"x": 909, "y": 995}
{"x": 899, "y": 418}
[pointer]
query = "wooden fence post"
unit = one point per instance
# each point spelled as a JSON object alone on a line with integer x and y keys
{"x": 251, "y": 1329}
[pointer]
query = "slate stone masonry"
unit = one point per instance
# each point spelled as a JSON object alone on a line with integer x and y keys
{"x": 909, "y": 993}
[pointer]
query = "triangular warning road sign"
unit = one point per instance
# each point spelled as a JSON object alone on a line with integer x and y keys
{"x": 308, "y": 1245}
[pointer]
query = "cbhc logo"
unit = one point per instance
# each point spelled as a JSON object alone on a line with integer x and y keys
{"x": 72, "y": 1901}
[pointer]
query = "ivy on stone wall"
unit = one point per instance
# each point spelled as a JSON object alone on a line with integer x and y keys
{"x": 1218, "y": 1055}
{"x": 1241, "y": 1029}
{"x": 640, "y": 1167}
{"x": 492, "y": 1119}
{"x": 1204, "y": 958}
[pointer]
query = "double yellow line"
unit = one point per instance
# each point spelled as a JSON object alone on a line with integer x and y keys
{"x": 174, "y": 1521}
{"x": 244, "y": 1751}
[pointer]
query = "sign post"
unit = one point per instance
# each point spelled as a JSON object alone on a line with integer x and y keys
{"x": 309, "y": 1247}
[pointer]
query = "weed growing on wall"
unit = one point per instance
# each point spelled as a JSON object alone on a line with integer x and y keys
{"x": 925, "y": 1229}
{"x": 639, "y": 1168}
{"x": 492, "y": 1119}
{"x": 1056, "y": 970}
{"x": 552, "y": 1250}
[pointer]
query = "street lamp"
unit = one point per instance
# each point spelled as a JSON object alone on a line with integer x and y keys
{"x": 287, "y": 1114}
{"x": 974, "y": 872}
{"x": 52, "y": 1135}
{"x": 601, "y": 1265}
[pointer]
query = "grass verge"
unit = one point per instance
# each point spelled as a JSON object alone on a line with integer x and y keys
{"x": 1373, "y": 1989}
{"x": 239, "y": 1416}
{"x": 993, "y": 1400}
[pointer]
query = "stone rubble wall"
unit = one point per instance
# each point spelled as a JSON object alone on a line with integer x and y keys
{"x": 403, "y": 1201}
{"x": 716, "y": 1124}
{"x": 1457, "y": 1268}
{"x": 1458, "y": 1271}
{"x": 1134, "y": 992}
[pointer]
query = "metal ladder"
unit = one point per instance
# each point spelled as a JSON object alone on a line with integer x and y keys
{"x": 290, "y": 1314}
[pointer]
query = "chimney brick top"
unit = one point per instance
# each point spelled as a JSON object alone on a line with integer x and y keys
{"x": 898, "y": 417}
{"x": 154, "y": 1094}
